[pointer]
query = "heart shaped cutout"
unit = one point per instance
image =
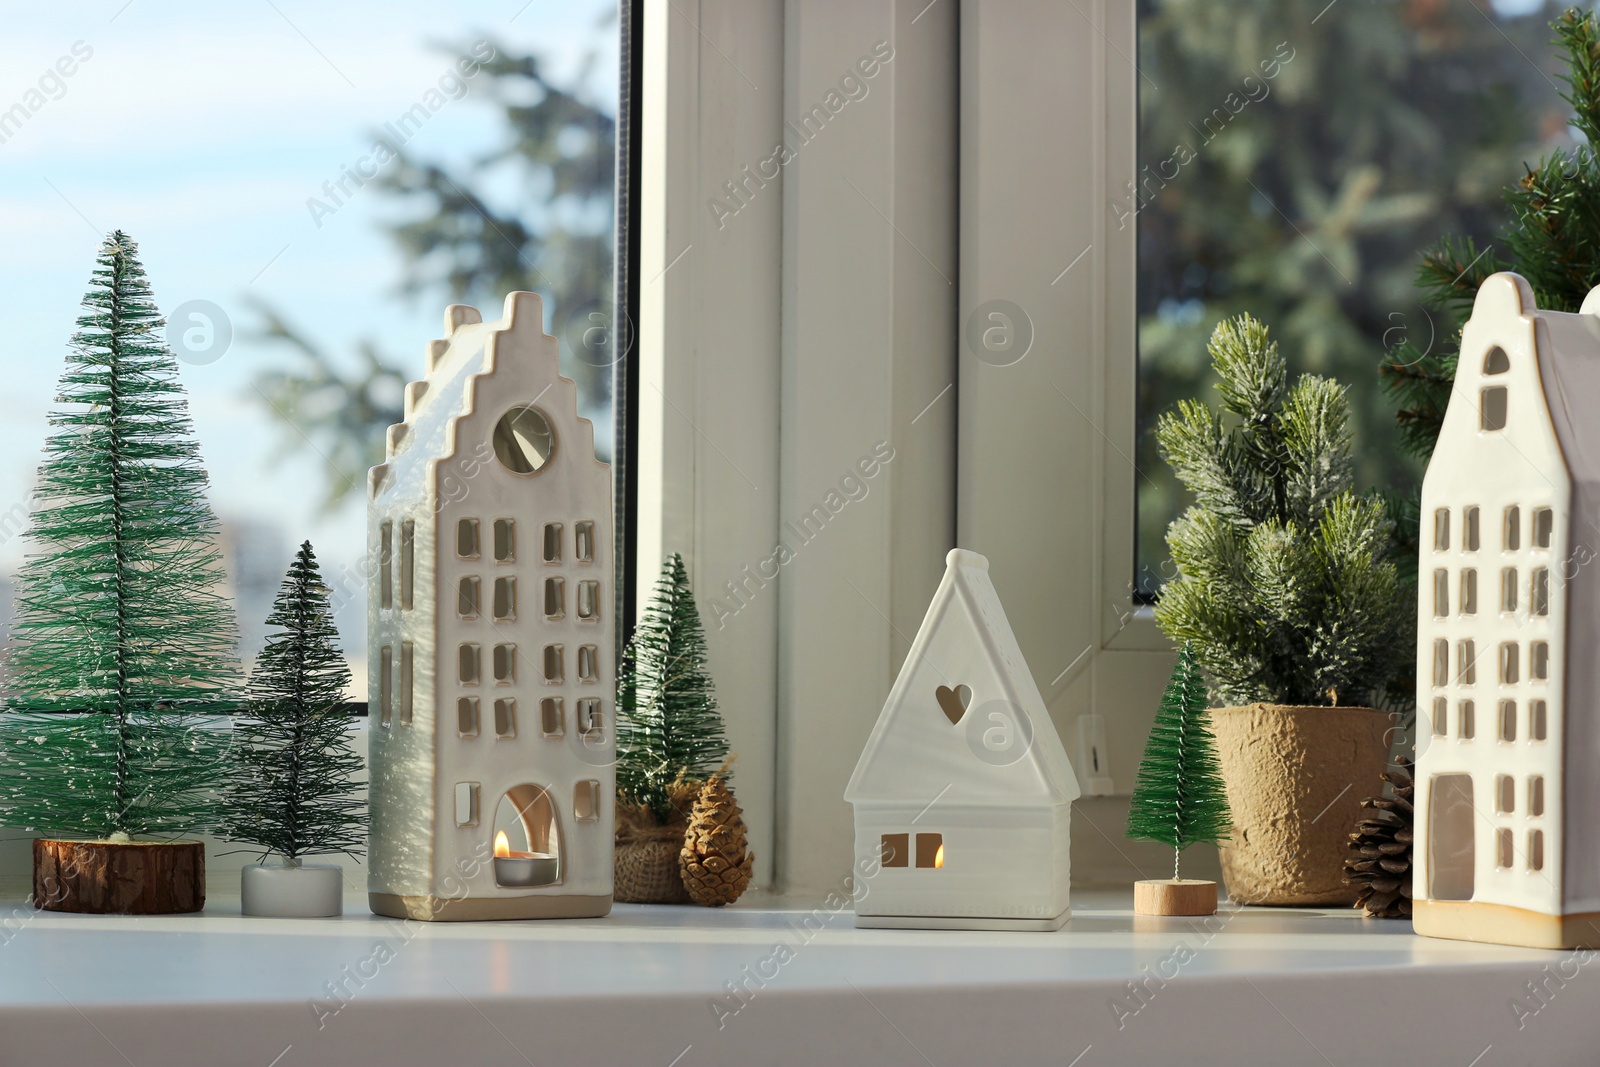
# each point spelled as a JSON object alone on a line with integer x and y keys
{"x": 953, "y": 702}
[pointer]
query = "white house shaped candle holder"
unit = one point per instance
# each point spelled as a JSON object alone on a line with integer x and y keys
{"x": 490, "y": 642}
{"x": 963, "y": 795}
{"x": 1507, "y": 842}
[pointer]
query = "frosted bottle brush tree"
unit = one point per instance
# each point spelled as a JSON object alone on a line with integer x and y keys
{"x": 292, "y": 790}
{"x": 1285, "y": 589}
{"x": 668, "y": 725}
{"x": 122, "y": 640}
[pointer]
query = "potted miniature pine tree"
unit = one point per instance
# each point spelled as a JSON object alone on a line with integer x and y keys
{"x": 1178, "y": 796}
{"x": 1293, "y": 608}
{"x": 292, "y": 789}
{"x": 122, "y": 644}
{"x": 669, "y": 741}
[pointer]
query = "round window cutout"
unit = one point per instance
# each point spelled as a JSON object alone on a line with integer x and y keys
{"x": 524, "y": 440}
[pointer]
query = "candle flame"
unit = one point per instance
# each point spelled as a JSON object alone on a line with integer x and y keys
{"x": 938, "y": 857}
{"x": 502, "y": 845}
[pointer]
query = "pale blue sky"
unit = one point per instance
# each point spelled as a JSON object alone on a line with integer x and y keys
{"x": 201, "y": 130}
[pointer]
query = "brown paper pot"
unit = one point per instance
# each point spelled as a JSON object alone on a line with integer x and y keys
{"x": 1295, "y": 778}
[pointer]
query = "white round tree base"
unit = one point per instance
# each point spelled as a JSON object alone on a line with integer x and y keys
{"x": 309, "y": 891}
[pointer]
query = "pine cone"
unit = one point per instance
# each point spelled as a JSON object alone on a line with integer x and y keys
{"x": 714, "y": 860}
{"x": 1380, "y": 849}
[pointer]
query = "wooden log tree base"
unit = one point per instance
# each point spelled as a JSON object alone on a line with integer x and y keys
{"x": 119, "y": 878}
{"x": 1170, "y": 896}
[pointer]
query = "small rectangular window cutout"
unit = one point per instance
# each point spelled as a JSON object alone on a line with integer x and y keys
{"x": 552, "y": 720}
{"x": 1492, "y": 408}
{"x": 505, "y": 599}
{"x": 586, "y": 800}
{"x": 553, "y": 670}
{"x": 467, "y": 664}
{"x": 407, "y": 682}
{"x": 588, "y": 664}
{"x": 1441, "y": 662}
{"x": 1441, "y": 529}
{"x": 1535, "y": 795}
{"x": 467, "y": 716}
{"x": 386, "y": 563}
{"x": 1537, "y": 720}
{"x": 1441, "y": 593}
{"x": 1508, "y": 589}
{"x": 930, "y": 850}
{"x": 895, "y": 850}
{"x": 505, "y": 541}
{"x": 589, "y": 722}
{"x": 1511, "y": 529}
{"x": 555, "y": 598}
{"x": 408, "y": 562}
{"x": 1441, "y": 716}
{"x": 1510, "y": 662}
{"x": 466, "y": 803}
{"x": 1469, "y": 536}
{"x": 1508, "y": 720}
{"x": 1544, "y": 525}
{"x": 552, "y": 542}
{"x": 467, "y": 538}
{"x": 1502, "y": 847}
{"x": 1535, "y": 850}
{"x": 1505, "y": 794}
{"x": 588, "y": 599}
{"x": 1539, "y": 595}
{"x": 1539, "y": 661}
{"x": 1469, "y": 590}
{"x": 505, "y": 717}
{"x": 385, "y": 685}
{"x": 1466, "y": 719}
{"x": 505, "y": 664}
{"x": 469, "y": 594}
{"x": 1467, "y": 662}
{"x": 583, "y": 537}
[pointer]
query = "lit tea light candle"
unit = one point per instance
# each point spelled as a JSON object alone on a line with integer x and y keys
{"x": 938, "y": 857}
{"x": 521, "y": 868}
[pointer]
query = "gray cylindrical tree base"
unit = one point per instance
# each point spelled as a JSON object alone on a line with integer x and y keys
{"x": 309, "y": 891}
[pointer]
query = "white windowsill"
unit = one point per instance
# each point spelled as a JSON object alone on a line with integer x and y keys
{"x": 1267, "y": 986}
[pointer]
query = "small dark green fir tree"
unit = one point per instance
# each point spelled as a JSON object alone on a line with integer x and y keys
{"x": 1178, "y": 797}
{"x": 122, "y": 638}
{"x": 293, "y": 789}
{"x": 668, "y": 725}
{"x": 1286, "y": 591}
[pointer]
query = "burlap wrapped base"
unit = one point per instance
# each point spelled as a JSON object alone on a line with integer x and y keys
{"x": 646, "y": 868}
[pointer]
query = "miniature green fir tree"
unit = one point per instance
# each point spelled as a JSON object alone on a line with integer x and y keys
{"x": 1553, "y": 240}
{"x": 1285, "y": 588}
{"x": 121, "y": 635}
{"x": 668, "y": 726}
{"x": 292, "y": 789}
{"x": 1178, "y": 798}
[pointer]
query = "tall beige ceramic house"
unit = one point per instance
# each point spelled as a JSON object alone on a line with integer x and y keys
{"x": 1508, "y": 633}
{"x": 491, "y": 646}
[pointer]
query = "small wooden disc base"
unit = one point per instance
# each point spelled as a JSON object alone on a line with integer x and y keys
{"x": 1175, "y": 896}
{"x": 119, "y": 878}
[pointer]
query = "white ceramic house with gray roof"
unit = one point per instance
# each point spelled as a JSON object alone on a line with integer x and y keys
{"x": 1508, "y": 633}
{"x": 490, "y": 640}
{"x": 963, "y": 794}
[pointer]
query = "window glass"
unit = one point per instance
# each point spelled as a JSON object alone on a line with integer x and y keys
{"x": 309, "y": 186}
{"x": 1293, "y": 163}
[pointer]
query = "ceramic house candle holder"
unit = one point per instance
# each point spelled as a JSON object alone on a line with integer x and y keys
{"x": 1507, "y": 790}
{"x": 491, "y": 649}
{"x": 963, "y": 794}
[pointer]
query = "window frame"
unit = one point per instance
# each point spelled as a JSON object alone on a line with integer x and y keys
{"x": 953, "y": 200}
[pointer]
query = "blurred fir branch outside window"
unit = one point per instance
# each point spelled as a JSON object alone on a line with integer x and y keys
{"x": 1295, "y": 161}
{"x": 534, "y": 211}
